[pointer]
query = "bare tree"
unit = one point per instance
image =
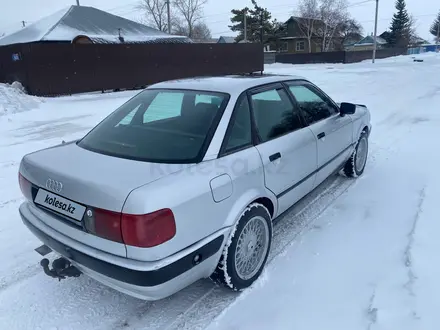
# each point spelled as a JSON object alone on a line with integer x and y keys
{"x": 349, "y": 31}
{"x": 155, "y": 13}
{"x": 201, "y": 31}
{"x": 309, "y": 13}
{"x": 191, "y": 12}
{"x": 332, "y": 14}
{"x": 413, "y": 36}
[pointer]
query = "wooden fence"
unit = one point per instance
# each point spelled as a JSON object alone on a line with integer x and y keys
{"x": 337, "y": 57}
{"x": 48, "y": 69}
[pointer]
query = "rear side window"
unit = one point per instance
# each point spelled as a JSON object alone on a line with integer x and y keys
{"x": 164, "y": 126}
{"x": 240, "y": 133}
{"x": 274, "y": 114}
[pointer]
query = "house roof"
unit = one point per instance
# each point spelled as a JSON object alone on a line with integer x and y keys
{"x": 228, "y": 40}
{"x": 369, "y": 40}
{"x": 98, "y": 25}
{"x": 317, "y": 23}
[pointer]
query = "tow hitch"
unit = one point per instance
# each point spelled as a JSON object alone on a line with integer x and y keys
{"x": 61, "y": 268}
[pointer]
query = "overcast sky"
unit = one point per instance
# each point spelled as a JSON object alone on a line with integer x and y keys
{"x": 217, "y": 13}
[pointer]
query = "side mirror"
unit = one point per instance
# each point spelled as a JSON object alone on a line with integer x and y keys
{"x": 347, "y": 109}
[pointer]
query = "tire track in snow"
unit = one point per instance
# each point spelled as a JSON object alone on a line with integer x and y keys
{"x": 18, "y": 276}
{"x": 15, "y": 200}
{"x": 409, "y": 285}
{"x": 372, "y": 312}
{"x": 6, "y": 164}
{"x": 408, "y": 249}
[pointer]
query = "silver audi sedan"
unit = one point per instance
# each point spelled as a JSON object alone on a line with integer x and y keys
{"x": 183, "y": 181}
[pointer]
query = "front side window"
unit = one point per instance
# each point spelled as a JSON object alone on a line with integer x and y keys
{"x": 171, "y": 126}
{"x": 274, "y": 114}
{"x": 313, "y": 107}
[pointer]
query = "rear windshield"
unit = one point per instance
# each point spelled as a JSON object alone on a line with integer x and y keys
{"x": 163, "y": 126}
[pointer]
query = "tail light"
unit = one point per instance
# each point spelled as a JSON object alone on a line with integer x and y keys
{"x": 25, "y": 186}
{"x": 108, "y": 225}
{"x": 146, "y": 230}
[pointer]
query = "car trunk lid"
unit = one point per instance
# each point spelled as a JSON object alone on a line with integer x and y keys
{"x": 91, "y": 178}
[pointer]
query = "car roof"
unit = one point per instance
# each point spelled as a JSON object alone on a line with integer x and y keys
{"x": 224, "y": 84}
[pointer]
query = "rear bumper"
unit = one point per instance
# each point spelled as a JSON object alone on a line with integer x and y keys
{"x": 146, "y": 280}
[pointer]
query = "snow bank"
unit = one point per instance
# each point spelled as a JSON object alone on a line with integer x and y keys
{"x": 13, "y": 99}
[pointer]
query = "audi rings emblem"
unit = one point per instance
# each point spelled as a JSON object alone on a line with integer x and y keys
{"x": 53, "y": 185}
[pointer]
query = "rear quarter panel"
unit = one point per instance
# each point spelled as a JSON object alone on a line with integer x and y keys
{"x": 188, "y": 193}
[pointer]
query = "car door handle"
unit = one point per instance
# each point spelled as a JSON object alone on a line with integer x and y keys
{"x": 321, "y": 135}
{"x": 274, "y": 157}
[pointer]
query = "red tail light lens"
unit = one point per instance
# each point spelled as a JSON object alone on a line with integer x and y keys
{"x": 148, "y": 230}
{"x": 25, "y": 186}
{"x": 108, "y": 225}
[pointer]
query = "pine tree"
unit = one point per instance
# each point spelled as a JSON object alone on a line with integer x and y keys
{"x": 435, "y": 26}
{"x": 400, "y": 26}
{"x": 258, "y": 20}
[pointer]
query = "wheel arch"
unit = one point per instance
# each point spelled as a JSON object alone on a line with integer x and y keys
{"x": 264, "y": 198}
{"x": 267, "y": 203}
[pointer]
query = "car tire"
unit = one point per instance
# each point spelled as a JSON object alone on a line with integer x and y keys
{"x": 355, "y": 165}
{"x": 253, "y": 231}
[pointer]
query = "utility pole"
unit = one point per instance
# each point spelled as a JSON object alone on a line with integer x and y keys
{"x": 375, "y": 31}
{"x": 77, "y": 3}
{"x": 245, "y": 25}
{"x": 169, "y": 16}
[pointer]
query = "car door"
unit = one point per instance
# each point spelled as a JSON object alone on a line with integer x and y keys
{"x": 334, "y": 134}
{"x": 287, "y": 148}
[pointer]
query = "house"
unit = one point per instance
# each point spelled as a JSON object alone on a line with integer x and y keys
{"x": 351, "y": 39}
{"x": 226, "y": 40}
{"x": 293, "y": 36}
{"x": 221, "y": 40}
{"x": 85, "y": 25}
{"x": 366, "y": 43}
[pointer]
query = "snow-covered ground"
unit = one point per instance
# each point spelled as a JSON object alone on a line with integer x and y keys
{"x": 354, "y": 255}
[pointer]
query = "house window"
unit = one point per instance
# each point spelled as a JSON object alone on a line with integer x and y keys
{"x": 300, "y": 46}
